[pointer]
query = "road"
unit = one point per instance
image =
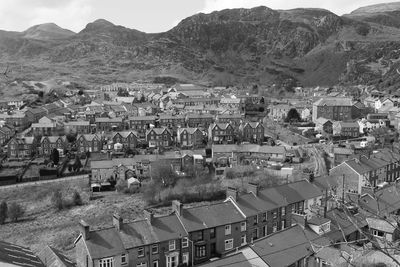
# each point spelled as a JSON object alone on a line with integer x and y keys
{"x": 320, "y": 166}
{"x": 20, "y": 185}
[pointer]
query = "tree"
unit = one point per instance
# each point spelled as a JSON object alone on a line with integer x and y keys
{"x": 15, "y": 211}
{"x": 71, "y": 137}
{"x": 142, "y": 99}
{"x": 77, "y": 199}
{"x": 162, "y": 173}
{"x": 80, "y": 92}
{"x": 3, "y": 212}
{"x": 55, "y": 156}
{"x": 293, "y": 116}
{"x": 57, "y": 200}
{"x": 77, "y": 164}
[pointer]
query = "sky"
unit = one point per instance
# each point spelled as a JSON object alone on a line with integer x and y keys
{"x": 144, "y": 15}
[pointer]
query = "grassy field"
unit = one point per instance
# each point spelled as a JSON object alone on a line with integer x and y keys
{"x": 44, "y": 225}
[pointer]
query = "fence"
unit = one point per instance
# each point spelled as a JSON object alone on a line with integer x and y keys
{"x": 20, "y": 185}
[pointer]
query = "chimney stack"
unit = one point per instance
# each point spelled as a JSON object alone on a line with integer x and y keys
{"x": 252, "y": 187}
{"x": 117, "y": 221}
{"x": 84, "y": 228}
{"x": 232, "y": 193}
{"x": 149, "y": 215}
{"x": 177, "y": 207}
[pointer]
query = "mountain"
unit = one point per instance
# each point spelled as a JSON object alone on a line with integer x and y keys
{"x": 279, "y": 48}
{"x": 47, "y": 31}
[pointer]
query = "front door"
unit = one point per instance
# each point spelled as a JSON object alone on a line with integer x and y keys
{"x": 172, "y": 260}
{"x": 213, "y": 249}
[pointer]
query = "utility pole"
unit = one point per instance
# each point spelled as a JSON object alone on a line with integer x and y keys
{"x": 343, "y": 189}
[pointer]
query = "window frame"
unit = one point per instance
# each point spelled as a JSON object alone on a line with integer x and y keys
{"x": 140, "y": 255}
{"x": 106, "y": 262}
{"x": 124, "y": 259}
{"x": 228, "y": 229}
{"x": 185, "y": 242}
{"x": 152, "y": 249}
{"x": 243, "y": 226}
{"x": 171, "y": 244}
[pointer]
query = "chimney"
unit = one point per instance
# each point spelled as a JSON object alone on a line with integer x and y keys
{"x": 84, "y": 228}
{"x": 232, "y": 192}
{"x": 117, "y": 221}
{"x": 177, "y": 207}
{"x": 252, "y": 187}
{"x": 149, "y": 215}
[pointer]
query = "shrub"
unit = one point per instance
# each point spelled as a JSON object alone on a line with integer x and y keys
{"x": 121, "y": 185}
{"x": 229, "y": 173}
{"x": 15, "y": 211}
{"x": 3, "y": 212}
{"x": 57, "y": 200}
{"x": 77, "y": 199}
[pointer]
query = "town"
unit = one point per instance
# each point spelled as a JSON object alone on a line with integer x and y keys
{"x": 218, "y": 176}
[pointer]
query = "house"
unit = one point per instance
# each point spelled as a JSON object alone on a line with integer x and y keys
{"x": 346, "y": 129}
{"x": 279, "y": 112}
{"x": 109, "y": 124}
{"x": 199, "y": 120}
{"x": 341, "y": 154}
{"x": 383, "y": 202}
{"x": 221, "y": 133}
{"x": 233, "y": 119}
{"x": 5, "y": 134}
{"x": 34, "y": 114}
{"x": 48, "y": 143}
{"x": 12, "y": 255}
{"x": 252, "y": 132}
{"x": 77, "y": 127}
{"x": 141, "y": 123}
{"x": 104, "y": 171}
{"x": 152, "y": 241}
{"x": 159, "y": 137}
{"x": 171, "y": 121}
{"x": 88, "y": 143}
{"x": 45, "y": 127}
{"x": 127, "y": 139}
{"x": 21, "y": 147}
{"x": 234, "y": 152}
{"x": 323, "y": 125}
{"x": 214, "y": 230}
{"x": 190, "y": 137}
{"x": 18, "y": 120}
{"x": 336, "y": 109}
{"x": 385, "y": 229}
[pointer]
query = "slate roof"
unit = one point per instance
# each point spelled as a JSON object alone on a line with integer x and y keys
{"x": 236, "y": 260}
{"x": 105, "y": 243}
{"x": 54, "y": 258}
{"x": 189, "y": 130}
{"x": 283, "y": 248}
{"x": 114, "y": 120}
{"x": 382, "y": 225}
{"x": 209, "y": 216}
{"x": 384, "y": 201}
{"x": 334, "y": 101}
{"x": 18, "y": 256}
{"x": 252, "y": 205}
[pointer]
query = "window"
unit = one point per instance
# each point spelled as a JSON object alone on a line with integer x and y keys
{"x": 254, "y": 234}
{"x": 243, "y": 226}
{"x": 172, "y": 261}
{"x": 283, "y": 211}
{"x": 264, "y": 217}
{"x": 154, "y": 249}
{"x": 228, "y": 244}
{"x": 274, "y": 214}
{"x": 140, "y": 252}
{"x": 275, "y": 227}
{"x": 107, "y": 262}
{"x": 124, "y": 259}
{"x": 243, "y": 240}
{"x": 142, "y": 264}
{"x": 171, "y": 245}
{"x": 227, "y": 229}
{"x": 200, "y": 251}
{"x": 283, "y": 224}
{"x": 199, "y": 236}
{"x": 377, "y": 233}
{"x": 255, "y": 220}
{"x": 185, "y": 242}
{"x": 212, "y": 233}
{"x": 155, "y": 263}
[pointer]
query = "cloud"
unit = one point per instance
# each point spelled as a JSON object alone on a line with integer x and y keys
{"x": 337, "y": 6}
{"x": 21, "y": 14}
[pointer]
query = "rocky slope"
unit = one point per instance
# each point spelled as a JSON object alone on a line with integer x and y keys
{"x": 281, "y": 47}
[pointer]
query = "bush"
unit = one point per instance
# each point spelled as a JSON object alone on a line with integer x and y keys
{"x": 76, "y": 199}
{"x": 121, "y": 185}
{"x": 3, "y": 212}
{"x": 57, "y": 200}
{"x": 15, "y": 211}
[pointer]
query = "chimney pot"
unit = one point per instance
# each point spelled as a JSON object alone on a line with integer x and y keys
{"x": 177, "y": 207}
{"x": 85, "y": 229}
{"x": 117, "y": 221}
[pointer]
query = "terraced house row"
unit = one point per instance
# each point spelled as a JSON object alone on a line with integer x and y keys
{"x": 194, "y": 235}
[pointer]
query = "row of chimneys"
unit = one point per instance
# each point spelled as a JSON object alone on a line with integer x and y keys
{"x": 177, "y": 207}
{"x": 250, "y": 188}
{"x": 117, "y": 220}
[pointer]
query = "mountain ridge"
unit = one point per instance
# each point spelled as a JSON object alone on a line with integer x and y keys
{"x": 281, "y": 48}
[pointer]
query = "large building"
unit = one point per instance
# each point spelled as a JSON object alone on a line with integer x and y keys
{"x": 337, "y": 109}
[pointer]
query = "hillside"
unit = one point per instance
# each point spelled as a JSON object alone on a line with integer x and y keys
{"x": 259, "y": 45}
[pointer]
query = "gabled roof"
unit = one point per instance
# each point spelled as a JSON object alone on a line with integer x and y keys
{"x": 158, "y": 131}
{"x": 105, "y": 243}
{"x": 88, "y": 137}
{"x": 13, "y": 255}
{"x": 384, "y": 201}
{"x": 52, "y": 139}
{"x": 209, "y": 216}
{"x": 54, "y": 258}
{"x": 222, "y": 126}
{"x": 252, "y": 205}
{"x": 188, "y": 130}
{"x": 385, "y": 225}
{"x": 124, "y": 134}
